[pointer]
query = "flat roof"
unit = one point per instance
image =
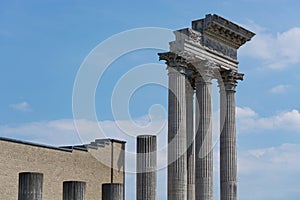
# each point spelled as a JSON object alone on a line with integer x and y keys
{"x": 69, "y": 148}
{"x": 34, "y": 144}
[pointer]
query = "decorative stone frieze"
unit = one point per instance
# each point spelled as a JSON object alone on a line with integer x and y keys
{"x": 219, "y": 47}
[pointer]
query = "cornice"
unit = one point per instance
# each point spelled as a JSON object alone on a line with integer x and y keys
{"x": 222, "y": 30}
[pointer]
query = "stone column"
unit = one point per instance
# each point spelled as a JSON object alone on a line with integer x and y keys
{"x": 228, "y": 153}
{"x": 30, "y": 186}
{"x": 204, "y": 148}
{"x": 146, "y": 167}
{"x": 177, "y": 168}
{"x": 177, "y": 137}
{"x": 190, "y": 140}
{"x": 74, "y": 190}
{"x": 112, "y": 191}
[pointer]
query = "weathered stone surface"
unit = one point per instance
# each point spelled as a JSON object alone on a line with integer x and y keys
{"x": 222, "y": 31}
{"x": 146, "y": 167}
{"x": 199, "y": 54}
{"x": 177, "y": 168}
{"x": 74, "y": 190}
{"x": 204, "y": 148}
{"x": 178, "y": 70}
{"x": 228, "y": 152}
{"x": 30, "y": 186}
{"x": 190, "y": 140}
{"x": 112, "y": 191}
{"x": 59, "y": 165}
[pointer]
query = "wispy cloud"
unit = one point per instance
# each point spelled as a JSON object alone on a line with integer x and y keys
{"x": 277, "y": 51}
{"x": 279, "y": 89}
{"x": 271, "y": 172}
{"x": 249, "y": 120}
{"x": 256, "y": 166}
{"x": 64, "y": 132}
{"x": 22, "y": 106}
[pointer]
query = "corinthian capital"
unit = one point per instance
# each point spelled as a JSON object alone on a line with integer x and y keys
{"x": 230, "y": 79}
{"x": 173, "y": 60}
{"x": 178, "y": 63}
{"x": 206, "y": 71}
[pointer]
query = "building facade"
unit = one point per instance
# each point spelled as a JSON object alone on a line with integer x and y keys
{"x": 96, "y": 164}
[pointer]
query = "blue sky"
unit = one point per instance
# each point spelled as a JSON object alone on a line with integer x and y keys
{"x": 44, "y": 43}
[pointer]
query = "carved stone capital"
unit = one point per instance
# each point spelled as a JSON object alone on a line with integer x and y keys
{"x": 173, "y": 60}
{"x": 177, "y": 63}
{"x": 230, "y": 79}
{"x": 205, "y": 72}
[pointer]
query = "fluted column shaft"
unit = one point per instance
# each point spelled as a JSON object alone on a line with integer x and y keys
{"x": 74, "y": 190}
{"x": 190, "y": 141}
{"x": 30, "y": 186}
{"x": 204, "y": 153}
{"x": 177, "y": 168}
{"x": 146, "y": 167}
{"x": 228, "y": 152}
{"x": 112, "y": 191}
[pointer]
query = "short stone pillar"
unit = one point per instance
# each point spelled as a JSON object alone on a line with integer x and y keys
{"x": 30, "y": 186}
{"x": 74, "y": 190}
{"x": 112, "y": 191}
{"x": 146, "y": 167}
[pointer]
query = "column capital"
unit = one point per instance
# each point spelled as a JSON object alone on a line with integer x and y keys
{"x": 178, "y": 63}
{"x": 230, "y": 79}
{"x": 173, "y": 60}
{"x": 206, "y": 71}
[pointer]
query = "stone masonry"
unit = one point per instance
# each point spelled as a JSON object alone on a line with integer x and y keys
{"x": 198, "y": 55}
{"x": 74, "y": 163}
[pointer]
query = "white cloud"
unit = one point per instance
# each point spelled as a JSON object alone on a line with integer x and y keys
{"x": 56, "y": 132}
{"x": 284, "y": 155}
{"x": 256, "y": 167}
{"x": 280, "y": 89}
{"x": 23, "y": 106}
{"x": 248, "y": 120}
{"x": 271, "y": 172}
{"x": 64, "y": 132}
{"x": 276, "y": 51}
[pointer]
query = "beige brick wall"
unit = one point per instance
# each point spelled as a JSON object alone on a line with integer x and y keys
{"x": 58, "y": 166}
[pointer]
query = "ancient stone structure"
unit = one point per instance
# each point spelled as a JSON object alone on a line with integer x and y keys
{"x": 30, "y": 186}
{"x": 112, "y": 191}
{"x": 97, "y": 163}
{"x": 199, "y": 54}
{"x": 74, "y": 190}
{"x": 146, "y": 167}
